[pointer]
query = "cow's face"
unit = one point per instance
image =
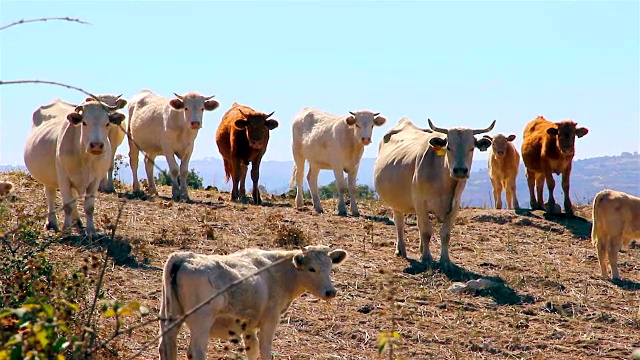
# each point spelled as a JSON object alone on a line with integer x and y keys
{"x": 193, "y": 105}
{"x": 94, "y": 119}
{"x": 257, "y": 126}
{"x": 460, "y": 144}
{"x": 314, "y": 269}
{"x": 500, "y": 143}
{"x": 565, "y": 133}
{"x": 363, "y": 123}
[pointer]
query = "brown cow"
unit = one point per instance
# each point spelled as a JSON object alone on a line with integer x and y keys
{"x": 503, "y": 169}
{"x": 548, "y": 148}
{"x": 242, "y": 137}
{"x": 616, "y": 221}
{"x": 6, "y": 187}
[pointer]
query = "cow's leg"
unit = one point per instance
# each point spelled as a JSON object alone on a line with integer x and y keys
{"x": 52, "y": 221}
{"x": 299, "y": 178}
{"x": 235, "y": 179}
{"x": 312, "y": 179}
{"x": 89, "y": 207}
{"x": 199, "y": 325}
{"x": 68, "y": 202}
{"x": 426, "y": 231}
{"x": 614, "y": 248}
{"x": 184, "y": 174}
{"x": 255, "y": 176}
{"x": 551, "y": 184}
{"x": 149, "y": 164}
{"x": 601, "y": 246}
{"x": 531, "y": 183}
{"x": 265, "y": 337}
{"x": 398, "y": 220}
{"x": 341, "y": 187}
{"x": 251, "y": 345}
{"x": 566, "y": 176}
{"x": 75, "y": 214}
{"x": 497, "y": 192}
{"x": 133, "y": 163}
{"x": 174, "y": 170}
{"x": 242, "y": 184}
{"x": 106, "y": 183}
{"x": 512, "y": 197}
{"x": 353, "y": 191}
{"x": 445, "y": 234}
{"x": 540, "y": 190}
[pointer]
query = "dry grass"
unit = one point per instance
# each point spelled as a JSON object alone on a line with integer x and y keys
{"x": 552, "y": 304}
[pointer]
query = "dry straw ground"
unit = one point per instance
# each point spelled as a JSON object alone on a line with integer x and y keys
{"x": 552, "y": 303}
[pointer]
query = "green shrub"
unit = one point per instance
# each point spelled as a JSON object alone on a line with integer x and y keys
{"x": 194, "y": 180}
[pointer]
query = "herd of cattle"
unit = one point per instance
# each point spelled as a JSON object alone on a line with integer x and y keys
{"x": 417, "y": 170}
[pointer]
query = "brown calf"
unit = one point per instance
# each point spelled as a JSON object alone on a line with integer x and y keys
{"x": 503, "y": 169}
{"x": 616, "y": 221}
{"x": 548, "y": 148}
{"x": 242, "y": 138}
{"x": 6, "y": 187}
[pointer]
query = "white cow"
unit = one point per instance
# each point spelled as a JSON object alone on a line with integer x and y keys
{"x": 331, "y": 142}
{"x": 424, "y": 172}
{"x": 116, "y": 137}
{"x": 253, "y": 304}
{"x": 69, "y": 149}
{"x": 165, "y": 127}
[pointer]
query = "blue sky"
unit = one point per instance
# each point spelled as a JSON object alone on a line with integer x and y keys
{"x": 458, "y": 63}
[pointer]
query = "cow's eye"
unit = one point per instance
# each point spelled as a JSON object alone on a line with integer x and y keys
{"x": 448, "y": 148}
{"x": 84, "y": 123}
{"x": 185, "y": 109}
{"x": 358, "y": 126}
{"x": 107, "y": 124}
{"x": 312, "y": 269}
{"x": 201, "y": 109}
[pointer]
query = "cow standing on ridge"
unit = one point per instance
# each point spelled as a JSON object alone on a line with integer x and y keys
{"x": 548, "y": 148}
{"x": 424, "y": 172}
{"x": 242, "y": 138}
{"x": 159, "y": 126}
{"x": 116, "y": 137}
{"x": 331, "y": 142}
{"x": 504, "y": 161}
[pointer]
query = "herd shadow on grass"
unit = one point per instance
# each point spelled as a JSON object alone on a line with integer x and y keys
{"x": 220, "y": 203}
{"x": 500, "y": 292}
{"x": 119, "y": 249}
{"x": 577, "y": 225}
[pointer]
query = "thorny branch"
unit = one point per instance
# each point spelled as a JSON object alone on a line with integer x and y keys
{"x": 24, "y": 21}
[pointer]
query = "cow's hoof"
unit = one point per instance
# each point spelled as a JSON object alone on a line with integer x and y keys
{"x": 319, "y": 211}
{"x": 355, "y": 214}
{"x": 51, "y": 226}
{"x": 401, "y": 253}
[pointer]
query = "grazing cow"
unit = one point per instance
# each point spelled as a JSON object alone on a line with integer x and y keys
{"x": 504, "y": 161}
{"x": 6, "y": 188}
{"x": 165, "y": 127}
{"x": 424, "y": 172}
{"x": 548, "y": 148}
{"x": 116, "y": 137}
{"x": 242, "y": 138}
{"x": 331, "y": 142}
{"x": 69, "y": 149}
{"x": 245, "y": 308}
{"x": 616, "y": 221}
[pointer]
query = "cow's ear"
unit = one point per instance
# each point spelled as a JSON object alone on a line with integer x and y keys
{"x": 271, "y": 124}
{"x": 379, "y": 120}
{"x": 511, "y": 137}
{"x": 176, "y": 104}
{"x": 241, "y": 124}
{"x": 552, "y": 131}
{"x": 580, "y": 132}
{"x": 116, "y": 118}
{"x": 483, "y": 144}
{"x": 298, "y": 261}
{"x": 211, "y": 105}
{"x": 438, "y": 142}
{"x": 350, "y": 120}
{"x": 74, "y": 118}
{"x": 487, "y": 137}
{"x": 121, "y": 103}
{"x": 338, "y": 256}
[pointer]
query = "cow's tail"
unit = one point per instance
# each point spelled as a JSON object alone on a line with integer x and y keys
{"x": 293, "y": 177}
{"x": 227, "y": 171}
{"x": 594, "y": 218}
{"x": 170, "y": 308}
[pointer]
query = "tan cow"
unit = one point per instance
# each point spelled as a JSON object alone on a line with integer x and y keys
{"x": 165, "y": 127}
{"x": 250, "y": 306}
{"x": 616, "y": 221}
{"x": 424, "y": 172}
{"x": 548, "y": 148}
{"x": 69, "y": 149}
{"x": 6, "y": 188}
{"x": 504, "y": 161}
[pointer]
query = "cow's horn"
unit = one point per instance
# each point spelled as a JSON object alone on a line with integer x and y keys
{"x": 352, "y": 113}
{"x": 243, "y": 114}
{"x": 209, "y": 97}
{"x": 119, "y": 96}
{"x": 178, "y": 96}
{"x": 376, "y": 114}
{"x": 268, "y": 116}
{"x": 476, "y": 132}
{"x": 437, "y": 129}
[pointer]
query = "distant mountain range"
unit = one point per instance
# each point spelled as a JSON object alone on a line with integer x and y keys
{"x": 587, "y": 178}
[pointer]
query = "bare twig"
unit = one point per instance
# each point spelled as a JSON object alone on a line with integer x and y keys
{"x": 24, "y": 21}
{"x": 181, "y": 319}
{"x": 35, "y": 81}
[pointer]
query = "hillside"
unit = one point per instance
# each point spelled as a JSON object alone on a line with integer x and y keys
{"x": 550, "y": 302}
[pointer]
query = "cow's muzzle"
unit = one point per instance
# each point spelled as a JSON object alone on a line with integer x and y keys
{"x": 96, "y": 148}
{"x": 330, "y": 294}
{"x": 196, "y": 125}
{"x": 460, "y": 173}
{"x": 365, "y": 141}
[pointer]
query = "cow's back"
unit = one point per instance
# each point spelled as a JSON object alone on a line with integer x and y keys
{"x": 616, "y": 214}
{"x": 533, "y": 139}
{"x": 393, "y": 171}
{"x": 40, "y": 148}
{"x": 146, "y": 120}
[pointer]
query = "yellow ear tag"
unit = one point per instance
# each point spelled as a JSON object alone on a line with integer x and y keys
{"x": 439, "y": 150}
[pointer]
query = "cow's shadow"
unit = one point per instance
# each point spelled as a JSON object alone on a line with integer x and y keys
{"x": 500, "y": 292}
{"x": 627, "y": 284}
{"x": 578, "y": 226}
